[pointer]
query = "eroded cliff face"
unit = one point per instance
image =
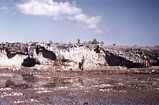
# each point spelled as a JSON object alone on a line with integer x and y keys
{"x": 133, "y": 57}
{"x": 69, "y": 57}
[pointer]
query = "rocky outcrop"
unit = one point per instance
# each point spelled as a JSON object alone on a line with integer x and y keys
{"x": 114, "y": 60}
{"x": 71, "y": 56}
{"x": 132, "y": 57}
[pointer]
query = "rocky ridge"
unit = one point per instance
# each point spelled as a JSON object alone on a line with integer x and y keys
{"x": 69, "y": 56}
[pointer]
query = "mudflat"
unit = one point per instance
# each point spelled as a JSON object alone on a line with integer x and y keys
{"x": 80, "y": 87}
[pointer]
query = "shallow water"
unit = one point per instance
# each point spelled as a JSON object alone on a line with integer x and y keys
{"x": 60, "y": 100}
{"x": 79, "y": 88}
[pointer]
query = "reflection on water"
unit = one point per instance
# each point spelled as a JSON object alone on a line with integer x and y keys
{"x": 44, "y": 90}
{"x": 65, "y": 99}
{"x": 60, "y": 100}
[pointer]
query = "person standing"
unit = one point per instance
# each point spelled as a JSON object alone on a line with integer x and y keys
{"x": 83, "y": 60}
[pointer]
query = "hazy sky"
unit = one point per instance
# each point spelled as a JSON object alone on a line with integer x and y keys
{"x": 124, "y": 22}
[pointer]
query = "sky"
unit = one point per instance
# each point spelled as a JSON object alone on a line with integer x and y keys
{"x": 120, "y": 22}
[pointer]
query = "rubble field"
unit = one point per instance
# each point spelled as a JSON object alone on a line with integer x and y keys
{"x": 104, "y": 86}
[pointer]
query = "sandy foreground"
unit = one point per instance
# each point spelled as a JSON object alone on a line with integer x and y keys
{"x": 80, "y": 87}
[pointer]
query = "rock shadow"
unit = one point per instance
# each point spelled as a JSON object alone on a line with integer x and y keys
{"x": 49, "y": 54}
{"x": 156, "y": 63}
{"x": 9, "y": 55}
{"x": 29, "y": 62}
{"x": 46, "y": 53}
{"x": 114, "y": 60}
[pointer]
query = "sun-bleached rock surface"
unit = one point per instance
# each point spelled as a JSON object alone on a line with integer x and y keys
{"x": 75, "y": 56}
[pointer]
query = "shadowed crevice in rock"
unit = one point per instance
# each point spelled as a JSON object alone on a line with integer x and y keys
{"x": 46, "y": 53}
{"x": 29, "y": 62}
{"x": 114, "y": 60}
{"x": 156, "y": 63}
{"x": 9, "y": 55}
{"x": 49, "y": 55}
